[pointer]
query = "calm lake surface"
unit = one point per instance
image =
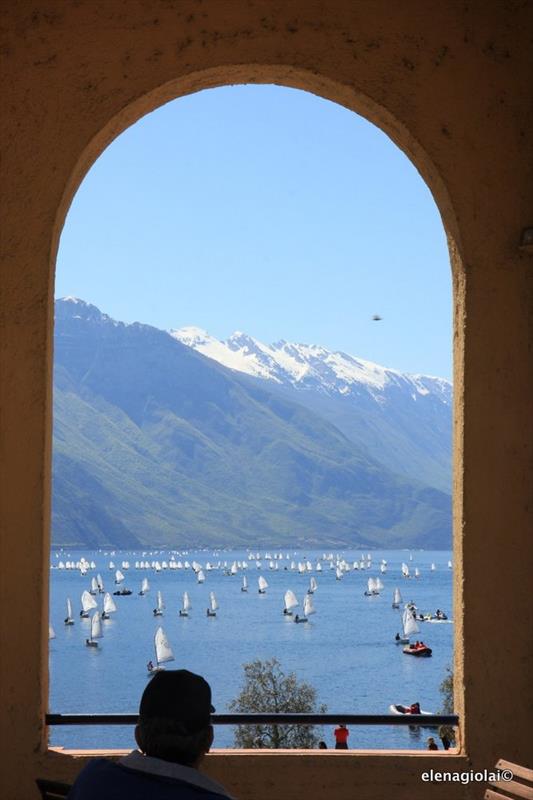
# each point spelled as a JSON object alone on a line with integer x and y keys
{"x": 346, "y": 650}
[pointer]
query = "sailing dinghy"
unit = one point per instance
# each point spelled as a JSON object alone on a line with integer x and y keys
{"x": 396, "y": 598}
{"x": 308, "y": 609}
{"x": 244, "y": 587}
{"x": 186, "y": 605}
{"x": 109, "y": 606}
{"x": 263, "y": 585}
{"x": 290, "y": 603}
{"x": 409, "y": 625}
{"x": 96, "y": 630}
{"x": 213, "y": 605}
{"x": 69, "y": 619}
{"x": 87, "y": 603}
{"x": 145, "y": 587}
{"x": 158, "y": 610}
{"x": 163, "y": 652}
{"x": 313, "y": 585}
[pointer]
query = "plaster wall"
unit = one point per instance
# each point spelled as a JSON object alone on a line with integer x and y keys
{"x": 450, "y": 84}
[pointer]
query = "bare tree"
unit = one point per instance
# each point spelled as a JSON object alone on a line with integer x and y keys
{"x": 268, "y": 689}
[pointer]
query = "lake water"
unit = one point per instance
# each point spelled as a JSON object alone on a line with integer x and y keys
{"x": 346, "y": 650}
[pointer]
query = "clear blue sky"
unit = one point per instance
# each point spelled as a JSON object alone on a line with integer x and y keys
{"x": 266, "y": 210}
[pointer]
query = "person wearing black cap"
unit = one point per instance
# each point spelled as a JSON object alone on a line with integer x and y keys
{"x": 174, "y": 733}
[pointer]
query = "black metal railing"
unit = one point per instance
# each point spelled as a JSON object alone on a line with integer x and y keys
{"x": 426, "y": 720}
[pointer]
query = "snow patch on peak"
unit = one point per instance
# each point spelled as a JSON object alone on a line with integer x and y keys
{"x": 70, "y": 299}
{"x": 310, "y": 366}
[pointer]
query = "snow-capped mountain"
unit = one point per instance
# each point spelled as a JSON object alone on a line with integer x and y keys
{"x": 310, "y": 366}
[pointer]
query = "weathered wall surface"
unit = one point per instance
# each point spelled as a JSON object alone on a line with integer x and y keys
{"x": 450, "y": 83}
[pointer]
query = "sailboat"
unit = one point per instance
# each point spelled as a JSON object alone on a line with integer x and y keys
{"x": 200, "y": 576}
{"x": 338, "y": 574}
{"x": 51, "y": 632}
{"x": 100, "y": 584}
{"x": 397, "y": 598}
{"x": 433, "y": 567}
{"x": 163, "y": 652}
{"x": 109, "y": 606}
{"x": 69, "y": 619}
{"x": 372, "y": 587}
{"x": 417, "y": 572}
{"x": 409, "y": 625}
{"x": 308, "y": 609}
{"x": 186, "y": 605}
{"x": 313, "y": 585}
{"x": 244, "y": 587}
{"x": 405, "y": 570}
{"x": 213, "y": 605}
{"x": 119, "y": 578}
{"x": 145, "y": 587}
{"x": 94, "y": 586}
{"x": 96, "y": 630}
{"x": 290, "y": 602}
{"x": 158, "y": 610}
{"x": 263, "y": 585}
{"x": 87, "y": 602}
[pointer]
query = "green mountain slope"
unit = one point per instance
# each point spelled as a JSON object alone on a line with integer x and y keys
{"x": 155, "y": 444}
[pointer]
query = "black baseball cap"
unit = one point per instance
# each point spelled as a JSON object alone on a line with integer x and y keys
{"x": 178, "y": 695}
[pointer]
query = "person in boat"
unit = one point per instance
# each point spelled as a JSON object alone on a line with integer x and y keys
{"x": 398, "y": 637}
{"x": 432, "y": 744}
{"x": 150, "y": 666}
{"x": 297, "y": 618}
{"x": 414, "y": 708}
{"x": 173, "y": 735}
{"x": 341, "y": 734}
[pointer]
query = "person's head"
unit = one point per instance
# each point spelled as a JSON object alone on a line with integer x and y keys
{"x": 175, "y": 717}
{"x": 322, "y": 746}
{"x": 431, "y": 741}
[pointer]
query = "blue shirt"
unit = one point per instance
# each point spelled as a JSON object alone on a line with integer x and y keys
{"x": 139, "y": 777}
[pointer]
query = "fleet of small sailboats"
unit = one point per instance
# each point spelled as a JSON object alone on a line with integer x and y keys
{"x": 410, "y": 617}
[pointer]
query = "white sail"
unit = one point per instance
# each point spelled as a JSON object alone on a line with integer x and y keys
{"x": 308, "y": 606}
{"x": 371, "y": 586}
{"x": 397, "y": 597}
{"x": 234, "y": 568}
{"x": 417, "y": 572}
{"x": 213, "y": 601}
{"x": 313, "y": 585}
{"x": 319, "y": 567}
{"x": 186, "y": 602}
{"x": 99, "y": 583}
{"x": 96, "y": 626}
{"x": 290, "y": 600}
{"x": 94, "y": 586}
{"x": 111, "y": 565}
{"x": 88, "y": 601}
{"x": 338, "y": 573}
{"x": 262, "y": 583}
{"x": 383, "y": 568}
{"x": 163, "y": 650}
{"x": 69, "y": 608}
{"x": 405, "y": 570}
{"x": 145, "y": 586}
{"x": 51, "y": 632}
{"x": 409, "y": 623}
{"x": 449, "y": 564}
{"x": 433, "y": 567}
{"x": 200, "y": 576}
{"x": 379, "y": 584}
{"x": 109, "y": 604}
{"x": 119, "y": 577}
{"x": 160, "y": 604}
{"x": 244, "y": 582}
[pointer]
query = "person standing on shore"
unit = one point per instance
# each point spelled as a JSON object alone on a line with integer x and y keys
{"x": 341, "y": 734}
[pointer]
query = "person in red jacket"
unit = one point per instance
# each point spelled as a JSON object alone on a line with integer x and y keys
{"x": 341, "y": 734}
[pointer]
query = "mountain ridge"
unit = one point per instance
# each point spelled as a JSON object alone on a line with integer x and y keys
{"x": 154, "y": 444}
